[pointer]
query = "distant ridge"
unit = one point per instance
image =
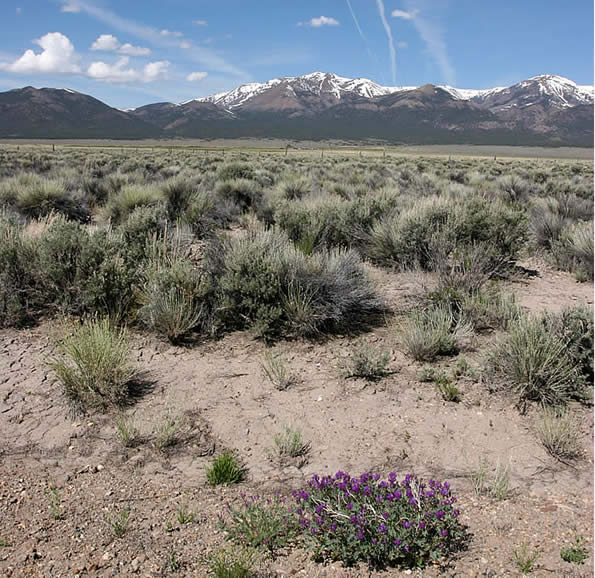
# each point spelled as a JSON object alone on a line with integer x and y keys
{"x": 545, "y": 110}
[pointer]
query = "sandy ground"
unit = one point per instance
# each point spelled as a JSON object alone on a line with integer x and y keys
{"x": 218, "y": 389}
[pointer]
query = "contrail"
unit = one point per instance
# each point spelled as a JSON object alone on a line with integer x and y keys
{"x": 391, "y": 44}
{"x": 355, "y": 20}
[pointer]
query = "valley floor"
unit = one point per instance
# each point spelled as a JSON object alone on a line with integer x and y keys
{"x": 62, "y": 480}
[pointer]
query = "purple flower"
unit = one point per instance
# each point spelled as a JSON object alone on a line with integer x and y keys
{"x": 406, "y": 524}
{"x": 382, "y": 528}
{"x": 439, "y": 514}
{"x": 444, "y": 532}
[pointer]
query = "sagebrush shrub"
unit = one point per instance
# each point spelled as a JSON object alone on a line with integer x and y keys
{"x": 131, "y": 197}
{"x": 379, "y": 522}
{"x": 20, "y": 290}
{"x": 94, "y": 366}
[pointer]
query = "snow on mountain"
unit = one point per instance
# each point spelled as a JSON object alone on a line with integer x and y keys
{"x": 562, "y": 91}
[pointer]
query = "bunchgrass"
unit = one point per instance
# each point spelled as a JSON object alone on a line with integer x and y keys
{"x": 94, "y": 367}
{"x": 367, "y": 362}
{"x": 275, "y": 369}
{"x": 559, "y": 434}
{"x": 226, "y": 469}
{"x": 525, "y": 558}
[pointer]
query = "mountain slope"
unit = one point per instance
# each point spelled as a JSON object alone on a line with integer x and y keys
{"x": 543, "y": 110}
{"x": 61, "y": 113}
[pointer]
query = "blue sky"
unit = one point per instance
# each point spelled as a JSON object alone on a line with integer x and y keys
{"x": 133, "y": 52}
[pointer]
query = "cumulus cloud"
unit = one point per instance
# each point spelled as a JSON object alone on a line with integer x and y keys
{"x": 57, "y": 56}
{"x": 196, "y": 76}
{"x": 132, "y": 50}
{"x": 106, "y": 43}
{"x": 114, "y": 73}
{"x": 184, "y": 44}
{"x": 201, "y": 23}
{"x": 121, "y": 73}
{"x": 71, "y": 7}
{"x": 403, "y": 14}
{"x": 109, "y": 43}
{"x": 320, "y": 21}
{"x": 155, "y": 70}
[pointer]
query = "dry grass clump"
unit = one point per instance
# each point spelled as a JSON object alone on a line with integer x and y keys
{"x": 429, "y": 333}
{"x": 559, "y": 434}
{"x": 94, "y": 367}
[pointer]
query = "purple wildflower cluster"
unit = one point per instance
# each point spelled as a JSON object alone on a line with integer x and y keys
{"x": 382, "y": 522}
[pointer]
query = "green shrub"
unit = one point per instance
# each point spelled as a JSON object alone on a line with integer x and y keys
{"x": 574, "y": 325}
{"x": 263, "y": 523}
{"x": 575, "y": 554}
{"x": 447, "y": 389}
{"x": 226, "y": 469}
{"x": 428, "y": 333}
{"x": 268, "y": 285}
{"x": 94, "y": 367}
{"x": 20, "y": 288}
{"x": 235, "y": 170}
{"x": 415, "y": 524}
{"x": 409, "y": 238}
{"x": 243, "y": 193}
{"x": 534, "y": 363}
{"x": 131, "y": 197}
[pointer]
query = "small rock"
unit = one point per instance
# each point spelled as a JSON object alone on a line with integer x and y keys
{"x": 99, "y": 467}
{"x": 107, "y": 556}
{"x": 135, "y": 565}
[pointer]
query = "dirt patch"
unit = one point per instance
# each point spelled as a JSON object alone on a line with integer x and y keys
{"x": 220, "y": 398}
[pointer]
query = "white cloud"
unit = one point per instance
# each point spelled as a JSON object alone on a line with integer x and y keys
{"x": 196, "y": 76}
{"x": 106, "y": 43}
{"x": 109, "y": 43}
{"x": 402, "y": 44}
{"x": 185, "y": 44}
{"x": 113, "y": 73}
{"x": 174, "y": 33}
{"x": 320, "y": 21}
{"x": 71, "y": 7}
{"x": 58, "y": 56}
{"x": 391, "y": 44}
{"x": 132, "y": 50}
{"x": 201, "y": 23}
{"x": 121, "y": 73}
{"x": 19, "y": 9}
{"x": 403, "y": 14}
{"x": 155, "y": 70}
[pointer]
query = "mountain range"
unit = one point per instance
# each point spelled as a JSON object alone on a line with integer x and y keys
{"x": 545, "y": 110}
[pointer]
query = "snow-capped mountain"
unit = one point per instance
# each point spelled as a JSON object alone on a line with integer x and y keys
{"x": 543, "y": 110}
{"x": 319, "y": 84}
{"x": 560, "y": 91}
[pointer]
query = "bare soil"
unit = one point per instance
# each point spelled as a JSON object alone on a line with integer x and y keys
{"x": 218, "y": 390}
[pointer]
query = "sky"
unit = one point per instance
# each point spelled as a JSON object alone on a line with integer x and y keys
{"x": 134, "y": 52}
